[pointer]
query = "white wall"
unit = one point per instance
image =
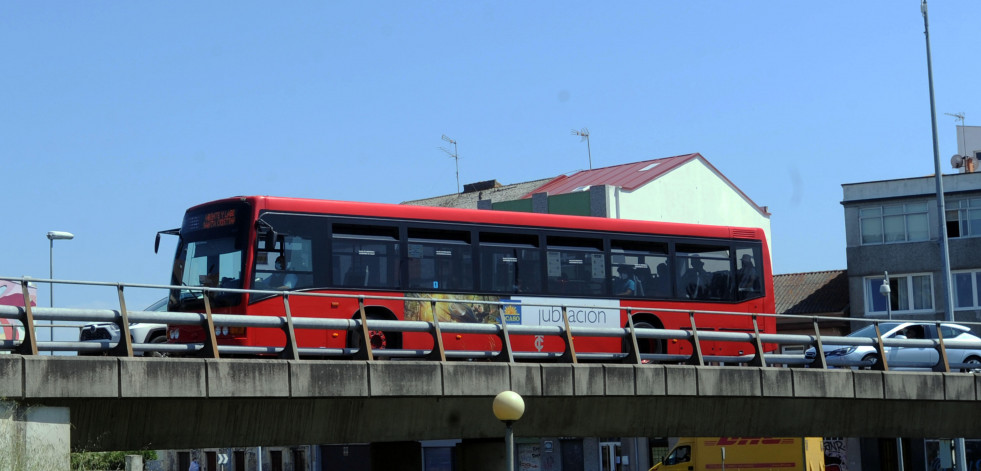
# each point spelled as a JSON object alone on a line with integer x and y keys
{"x": 691, "y": 193}
{"x": 968, "y": 140}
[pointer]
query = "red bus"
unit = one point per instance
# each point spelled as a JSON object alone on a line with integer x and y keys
{"x": 493, "y": 265}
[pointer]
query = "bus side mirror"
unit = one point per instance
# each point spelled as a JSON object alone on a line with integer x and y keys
{"x": 269, "y": 240}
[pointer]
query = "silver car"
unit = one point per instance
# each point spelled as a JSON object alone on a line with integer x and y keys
{"x": 966, "y": 359}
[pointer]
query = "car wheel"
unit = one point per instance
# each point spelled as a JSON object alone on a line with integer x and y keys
{"x": 159, "y": 339}
{"x": 972, "y": 365}
{"x": 874, "y": 358}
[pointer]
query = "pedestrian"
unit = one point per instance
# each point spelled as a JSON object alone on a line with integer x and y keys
{"x": 194, "y": 465}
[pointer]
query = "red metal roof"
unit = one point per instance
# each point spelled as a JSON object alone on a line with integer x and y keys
{"x": 627, "y": 176}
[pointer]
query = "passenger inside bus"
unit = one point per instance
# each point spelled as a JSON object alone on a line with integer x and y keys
{"x": 748, "y": 278}
{"x": 696, "y": 279}
{"x": 626, "y": 285}
{"x": 662, "y": 282}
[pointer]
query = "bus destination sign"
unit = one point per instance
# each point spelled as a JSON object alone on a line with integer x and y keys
{"x": 225, "y": 217}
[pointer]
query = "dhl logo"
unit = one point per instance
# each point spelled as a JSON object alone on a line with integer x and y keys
{"x": 731, "y": 441}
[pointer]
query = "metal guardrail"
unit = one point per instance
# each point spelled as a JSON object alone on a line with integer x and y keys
{"x": 360, "y": 327}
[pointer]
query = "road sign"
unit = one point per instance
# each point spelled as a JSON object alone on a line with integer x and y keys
{"x": 222, "y": 458}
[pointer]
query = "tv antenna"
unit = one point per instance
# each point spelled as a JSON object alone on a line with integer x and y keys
{"x": 455, "y": 157}
{"x": 584, "y": 133}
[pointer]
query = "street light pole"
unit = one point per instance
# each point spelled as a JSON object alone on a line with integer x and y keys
{"x": 53, "y": 236}
{"x": 886, "y": 290}
{"x": 960, "y": 458}
{"x": 508, "y": 408}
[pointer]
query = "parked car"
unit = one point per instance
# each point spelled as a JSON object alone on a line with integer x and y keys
{"x": 905, "y": 357}
{"x": 140, "y": 332}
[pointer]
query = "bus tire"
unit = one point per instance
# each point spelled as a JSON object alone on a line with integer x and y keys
{"x": 651, "y": 346}
{"x": 380, "y": 339}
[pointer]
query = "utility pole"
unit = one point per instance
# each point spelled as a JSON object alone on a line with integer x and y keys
{"x": 959, "y": 452}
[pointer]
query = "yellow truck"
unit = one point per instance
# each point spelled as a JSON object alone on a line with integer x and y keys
{"x": 744, "y": 454}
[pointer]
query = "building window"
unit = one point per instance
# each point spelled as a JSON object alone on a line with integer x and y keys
{"x": 894, "y": 223}
{"x": 909, "y": 293}
{"x": 964, "y": 218}
{"x": 966, "y": 289}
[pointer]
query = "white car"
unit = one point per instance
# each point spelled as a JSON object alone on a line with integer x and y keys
{"x": 967, "y": 359}
{"x": 140, "y": 332}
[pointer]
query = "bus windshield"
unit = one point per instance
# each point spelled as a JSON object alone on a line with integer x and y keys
{"x": 210, "y": 254}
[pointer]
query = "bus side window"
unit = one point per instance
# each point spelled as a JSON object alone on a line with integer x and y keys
{"x": 439, "y": 260}
{"x": 510, "y": 263}
{"x": 705, "y": 272}
{"x": 365, "y": 256}
{"x": 576, "y": 266}
{"x": 749, "y": 281}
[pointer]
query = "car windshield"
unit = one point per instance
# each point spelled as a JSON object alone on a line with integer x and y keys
{"x": 869, "y": 330}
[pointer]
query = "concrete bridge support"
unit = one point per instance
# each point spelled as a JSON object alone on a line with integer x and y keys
{"x": 34, "y": 437}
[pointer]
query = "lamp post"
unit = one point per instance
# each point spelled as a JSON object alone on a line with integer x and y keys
{"x": 885, "y": 290}
{"x": 960, "y": 459}
{"x": 53, "y": 236}
{"x": 508, "y": 408}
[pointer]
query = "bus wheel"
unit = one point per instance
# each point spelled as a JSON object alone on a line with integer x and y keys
{"x": 652, "y": 346}
{"x": 378, "y": 339}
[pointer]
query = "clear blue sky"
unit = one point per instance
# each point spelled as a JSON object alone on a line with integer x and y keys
{"x": 117, "y": 116}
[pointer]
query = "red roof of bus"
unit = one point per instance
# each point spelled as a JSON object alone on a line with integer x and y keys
{"x": 477, "y": 216}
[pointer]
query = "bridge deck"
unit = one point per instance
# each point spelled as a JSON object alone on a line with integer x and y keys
{"x": 129, "y": 403}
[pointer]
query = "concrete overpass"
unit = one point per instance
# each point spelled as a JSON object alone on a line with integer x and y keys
{"x": 166, "y": 403}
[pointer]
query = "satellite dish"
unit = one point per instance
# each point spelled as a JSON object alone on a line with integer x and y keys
{"x": 957, "y": 161}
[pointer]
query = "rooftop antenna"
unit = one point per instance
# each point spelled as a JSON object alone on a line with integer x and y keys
{"x": 455, "y": 157}
{"x": 960, "y": 117}
{"x": 584, "y": 133}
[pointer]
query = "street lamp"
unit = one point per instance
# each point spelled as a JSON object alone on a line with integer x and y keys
{"x": 885, "y": 290}
{"x": 508, "y": 408}
{"x": 53, "y": 236}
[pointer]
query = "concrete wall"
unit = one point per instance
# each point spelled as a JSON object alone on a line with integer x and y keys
{"x": 173, "y": 404}
{"x": 34, "y": 437}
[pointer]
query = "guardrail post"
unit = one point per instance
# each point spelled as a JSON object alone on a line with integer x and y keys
{"x": 506, "y": 354}
{"x": 633, "y": 350}
{"x": 943, "y": 365}
{"x": 757, "y": 345}
{"x": 210, "y": 342}
{"x": 819, "y": 346}
{"x": 125, "y": 345}
{"x": 29, "y": 345}
{"x": 570, "y": 350}
{"x": 364, "y": 353}
{"x": 696, "y": 357}
{"x": 880, "y": 365}
{"x": 290, "y": 350}
{"x": 438, "y": 352}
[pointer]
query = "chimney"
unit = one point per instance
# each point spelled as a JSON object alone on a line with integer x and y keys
{"x": 969, "y": 164}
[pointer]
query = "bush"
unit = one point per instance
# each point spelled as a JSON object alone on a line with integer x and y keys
{"x": 107, "y": 461}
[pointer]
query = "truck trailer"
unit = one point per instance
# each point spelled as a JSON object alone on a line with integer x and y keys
{"x": 744, "y": 454}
